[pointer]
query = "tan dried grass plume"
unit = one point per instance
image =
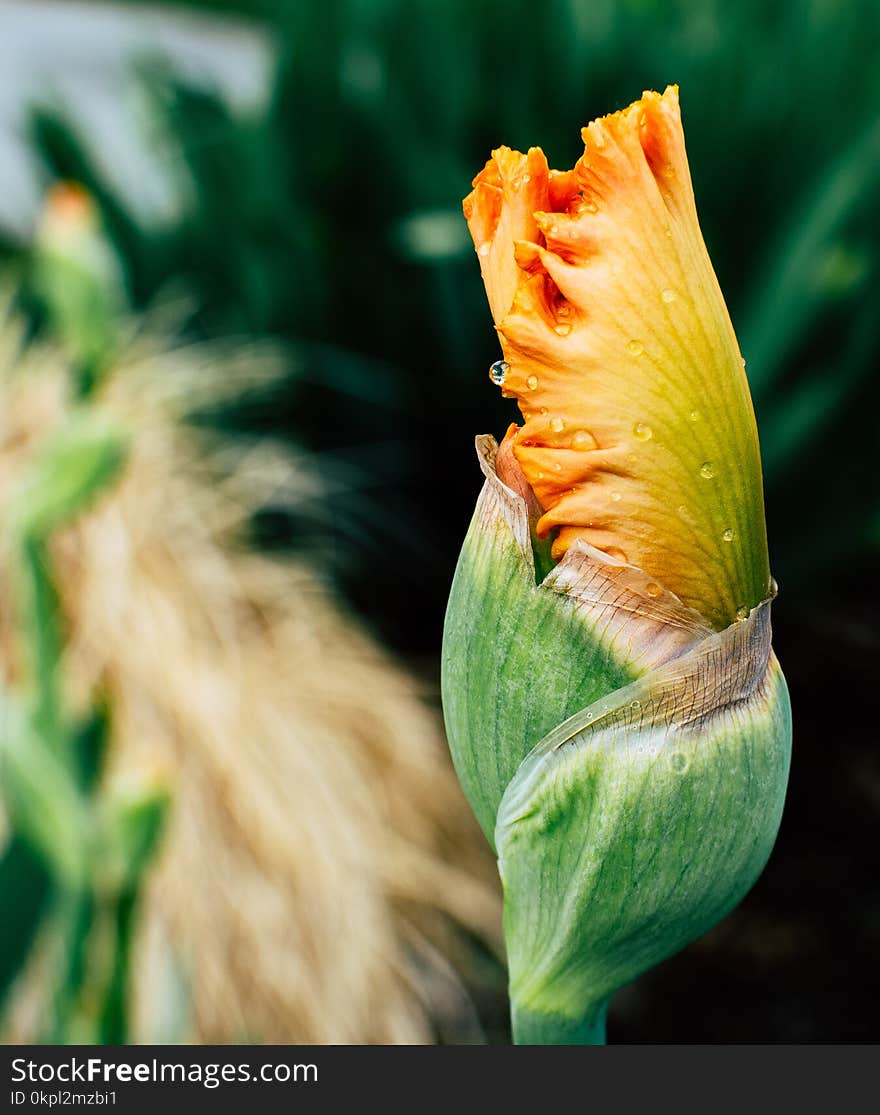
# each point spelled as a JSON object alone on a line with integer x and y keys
{"x": 320, "y": 863}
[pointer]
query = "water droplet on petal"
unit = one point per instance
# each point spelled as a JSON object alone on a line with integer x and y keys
{"x": 668, "y": 295}
{"x": 582, "y": 439}
{"x": 728, "y": 535}
{"x": 615, "y": 497}
{"x": 557, "y": 425}
{"x": 563, "y": 310}
{"x": 563, "y": 329}
{"x": 653, "y": 589}
{"x": 498, "y": 371}
{"x": 484, "y": 249}
{"x": 544, "y": 410}
{"x": 742, "y": 613}
{"x": 532, "y": 383}
{"x": 636, "y": 348}
{"x": 694, "y": 416}
{"x": 635, "y": 705}
{"x": 706, "y": 470}
{"x": 642, "y": 431}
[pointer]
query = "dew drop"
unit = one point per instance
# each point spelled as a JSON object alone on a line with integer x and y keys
{"x": 636, "y": 348}
{"x": 532, "y": 383}
{"x": 742, "y": 613}
{"x": 582, "y": 439}
{"x": 668, "y": 295}
{"x": 557, "y": 467}
{"x": 642, "y": 431}
{"x": 653, "y": 589}
{"x": 563, "y": 310}
{"x": 694, "y": 416}
{"x": 682, "y": 509}
{"x": 498, "y": 371}
{"x": 728, "y": 535}
{"x": 635, "y": 705}
{"x": 563, "y": 329}
{"x": 706, "y": 470}
{"x": 679, "y": 762}
{"x": 615, "y": 497}
{"x": 483, "y": 249}
{"x": 557, "y": 425}
{"x": 544, "y": 410}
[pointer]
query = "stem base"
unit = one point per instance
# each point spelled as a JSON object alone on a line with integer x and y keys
{"x": 533, "y": 1028}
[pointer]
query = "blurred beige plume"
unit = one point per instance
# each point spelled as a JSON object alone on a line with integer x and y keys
{"x": 321, "y": 875}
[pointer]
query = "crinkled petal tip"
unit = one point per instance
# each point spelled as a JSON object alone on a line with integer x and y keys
{"x": 638, "y": 434}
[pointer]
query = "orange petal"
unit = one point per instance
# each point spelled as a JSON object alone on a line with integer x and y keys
{"x": 639, "y": 434}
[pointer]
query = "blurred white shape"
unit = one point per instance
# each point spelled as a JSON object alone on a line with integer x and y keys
{"x": 432, "y": 235}
{"x": 79, "y": 56}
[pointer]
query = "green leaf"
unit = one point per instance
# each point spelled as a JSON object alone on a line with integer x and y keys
{"x": 89, "y": 741}
{"x": 24, "y": 885}
{"x": 40, "y": 629}
{"x": 74, "y": 466}
{"x": 44, "y": 806}
{"x": 132, "y": 826}
{"x": 806, "y": 264}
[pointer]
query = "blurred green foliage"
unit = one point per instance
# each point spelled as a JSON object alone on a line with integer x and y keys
{"x": 332, "y": 219}
{"x": 74, "y": 857}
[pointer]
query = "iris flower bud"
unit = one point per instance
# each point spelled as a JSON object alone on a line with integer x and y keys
{"x": 615, "y": 712}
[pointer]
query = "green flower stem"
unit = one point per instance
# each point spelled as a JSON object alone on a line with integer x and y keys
{"x": 531, "y": 1028}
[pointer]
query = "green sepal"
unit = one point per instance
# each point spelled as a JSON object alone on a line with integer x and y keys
{"x": 638, "y": 825}
{"x": 517, "y": 658}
